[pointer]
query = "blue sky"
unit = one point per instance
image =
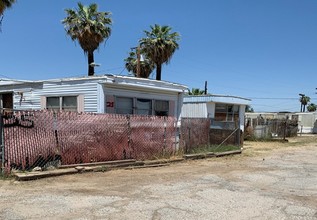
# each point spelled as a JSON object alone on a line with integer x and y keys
{"x": 260, "y": 49}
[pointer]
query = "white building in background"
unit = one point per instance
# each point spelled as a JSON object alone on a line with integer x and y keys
{"x": 307, "y": 121}
{"x": 222, "y": 109}
{"x": 99, "y": 94}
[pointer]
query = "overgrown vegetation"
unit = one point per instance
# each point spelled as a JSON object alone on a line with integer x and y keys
{"x": 214, "y": 148}
{"x": 103, "y": 169}
{"x": 5, "y": 176}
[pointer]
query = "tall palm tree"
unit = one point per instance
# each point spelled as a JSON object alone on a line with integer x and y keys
{"x": 89, "y": 27}
{"x": 304, "y": 101}
{"x": 146, "y": 65}
{"x": 5, "y": 4}
{"x": 159, "y": 45}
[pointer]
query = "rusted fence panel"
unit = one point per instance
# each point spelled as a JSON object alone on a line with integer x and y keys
{"x": 194, "y": 133}
{"x": 200, "y": 133}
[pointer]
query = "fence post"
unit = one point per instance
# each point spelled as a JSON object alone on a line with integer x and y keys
{"x": 177, "y": 133}
{"x": 2, "y": 144}
{"x": 129, "y": 132}
{"x": 165, "y": 124}
{"x": 285, "y": 127}
{"x": 208, "y": 134}
{"x": 188, "y": 145}
{"x": 239, "y": 133}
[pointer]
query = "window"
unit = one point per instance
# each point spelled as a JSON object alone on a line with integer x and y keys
{"x": 143, "y": 107}
{"x": 53, "y": 103}
{"x": 124, "y": 105}
{"x": 224, "y": 112}
{"x": 67, "y": 103}
{"x": 139, "y": 106}
{"x": 161, "y": 108}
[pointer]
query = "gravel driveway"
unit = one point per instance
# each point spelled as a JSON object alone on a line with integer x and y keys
{"x": 267, "y": 181}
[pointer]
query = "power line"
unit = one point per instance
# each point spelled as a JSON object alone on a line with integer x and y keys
{"x": 272, "y": 98}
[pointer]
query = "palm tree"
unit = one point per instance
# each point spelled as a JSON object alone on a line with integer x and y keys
{"x": 248, "y": 108}
{"x": 159, "y": 45}
{"x": 312, "y": 107}
{"x": 304, "y": 101}
{"x": 146, "y": 65}
{"x": 5, "y": 4}
{"x": 89, "y": 27}
{"x": 196, "y": 91}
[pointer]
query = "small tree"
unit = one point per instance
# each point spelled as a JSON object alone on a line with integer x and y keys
{"x": 196, "y": 91}
{"x": 311, "y": 107}
{"x": 146, "y": 66}
{"x": 248, "y": 108}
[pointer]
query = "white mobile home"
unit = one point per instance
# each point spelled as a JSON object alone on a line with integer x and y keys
{"x": 99, "y": 94}
{"x": 222, "y": 109}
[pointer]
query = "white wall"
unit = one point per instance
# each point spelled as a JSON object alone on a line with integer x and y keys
{"x": 211, "y": 107}
{"x": 307, "y": 122}
{"x": 194, "y": 110}
{"x": 241, "y": 116}
{"x": 175, "y": 97}
{"x": 93, "y": 91}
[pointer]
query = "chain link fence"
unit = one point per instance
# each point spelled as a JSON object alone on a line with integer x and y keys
{"x": 50, "y": 139}
{"x": 45, "y": 138}
{"x": 259, "y": 128}
{"x": 205, "y": 134}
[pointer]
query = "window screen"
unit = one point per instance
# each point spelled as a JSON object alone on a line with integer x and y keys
{"x": 161, "y": 108}
{"x": 53, "y": 103}
{"x": 124, "y": 105}
{"x": 66, "y": 103}
{"x": 144, "y": 107}
{"x": 69, "y": 103}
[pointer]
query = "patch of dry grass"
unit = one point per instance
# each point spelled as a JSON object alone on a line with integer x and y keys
{"x": 257, "y": 148}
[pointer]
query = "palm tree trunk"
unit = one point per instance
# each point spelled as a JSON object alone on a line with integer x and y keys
{"x": 91, "y": 68}
{"x": 158, "y": 71}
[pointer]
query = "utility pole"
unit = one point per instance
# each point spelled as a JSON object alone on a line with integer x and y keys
{"x": 206, "y": 87}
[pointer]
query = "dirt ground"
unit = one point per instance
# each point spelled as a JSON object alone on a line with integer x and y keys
{"x": 270, "y": 180}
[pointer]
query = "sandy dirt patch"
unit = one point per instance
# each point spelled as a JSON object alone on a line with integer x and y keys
{"x": 269, "y": 180}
